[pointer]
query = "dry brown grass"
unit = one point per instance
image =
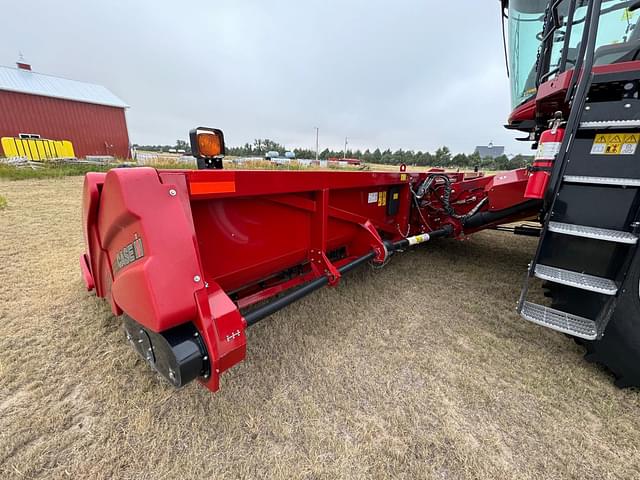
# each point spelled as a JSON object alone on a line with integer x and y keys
{"x": 419, "y": 370}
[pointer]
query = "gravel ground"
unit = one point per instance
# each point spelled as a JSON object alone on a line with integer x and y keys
{"x": 419, "y": 370}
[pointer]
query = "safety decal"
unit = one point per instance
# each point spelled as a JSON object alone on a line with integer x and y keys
{"x": 615, "y": 144}
{"x": 382, "y": 199}
{"x": 373, "y": 197}
{"x": 548, "y": 150}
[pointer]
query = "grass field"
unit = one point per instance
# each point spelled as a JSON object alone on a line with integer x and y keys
{"x": 419, "y": 370}
{"x": 52, "y": 170}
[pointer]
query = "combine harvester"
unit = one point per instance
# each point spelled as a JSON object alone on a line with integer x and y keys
{"x": 194, "y": 257}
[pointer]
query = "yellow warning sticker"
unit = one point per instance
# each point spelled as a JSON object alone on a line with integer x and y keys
{"x": 403, "y": 177}
{"x": 395, "y": 196}
{"x": 615, "y": 143}
{"x": 419, "y": 239}
{"x": 382, "y": 199}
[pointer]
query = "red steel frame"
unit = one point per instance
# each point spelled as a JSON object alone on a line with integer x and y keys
{"x": 211, "y": 242}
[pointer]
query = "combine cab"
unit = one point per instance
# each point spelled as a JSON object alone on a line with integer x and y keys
{"x": 191, "y": 258}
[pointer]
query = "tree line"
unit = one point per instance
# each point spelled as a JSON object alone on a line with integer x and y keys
{"x": 442, "y": 157}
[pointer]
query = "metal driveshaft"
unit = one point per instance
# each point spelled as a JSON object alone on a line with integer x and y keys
{"x": 264, "y": 311}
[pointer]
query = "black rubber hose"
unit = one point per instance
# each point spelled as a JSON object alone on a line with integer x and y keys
{"x": 485, "y": 218}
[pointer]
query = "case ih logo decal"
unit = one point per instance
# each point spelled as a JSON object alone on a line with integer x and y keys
{"x": 129, "y": 254}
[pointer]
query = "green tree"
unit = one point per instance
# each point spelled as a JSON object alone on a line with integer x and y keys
{"x": 442, "y": 157}
{"x": 460, "y": 160}
{"x": 183, "y": 145}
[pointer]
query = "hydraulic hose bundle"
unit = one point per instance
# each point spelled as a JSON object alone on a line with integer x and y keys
{"x": 428, "y": 186}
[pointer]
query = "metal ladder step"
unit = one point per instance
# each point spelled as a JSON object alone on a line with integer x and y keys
{"x": 597, "y": 124}
{"x": 576, "y": 279}
{"x": 561, "y": 321}
{"x": 618, "y": 182}
{"x": 593, "y": 232}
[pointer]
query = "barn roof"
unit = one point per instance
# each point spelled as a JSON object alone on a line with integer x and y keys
{"x": 33, "y": 83}
{"x": 490, "y": 150}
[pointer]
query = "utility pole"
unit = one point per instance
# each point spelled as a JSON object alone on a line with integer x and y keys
{"x": 317, "y": 144}
{"x": 345, "y": 148}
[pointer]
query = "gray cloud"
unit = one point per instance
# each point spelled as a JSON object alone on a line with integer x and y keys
{"x": 408, "y": 74}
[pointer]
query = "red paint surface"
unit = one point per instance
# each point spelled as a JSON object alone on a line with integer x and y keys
{"x": 93, "y": 129}
{"x": 551, "y": 94}
{"x": 540, "y": 176}
{"x": 526, "y": 111}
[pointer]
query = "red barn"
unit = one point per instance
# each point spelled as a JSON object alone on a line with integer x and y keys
{"x": 55, "y": 108}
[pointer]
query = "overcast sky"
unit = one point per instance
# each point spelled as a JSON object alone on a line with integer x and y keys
{"x": 412, "y": 74}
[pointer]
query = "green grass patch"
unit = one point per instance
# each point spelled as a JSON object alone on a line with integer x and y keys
{"x": 48, "y": 171}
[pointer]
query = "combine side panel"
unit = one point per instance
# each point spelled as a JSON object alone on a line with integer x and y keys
{"x": 92, "y": 260}
{"x": 150, "y": 241}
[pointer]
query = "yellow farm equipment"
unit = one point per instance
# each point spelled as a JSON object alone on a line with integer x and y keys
{"x": 36, "y": 149}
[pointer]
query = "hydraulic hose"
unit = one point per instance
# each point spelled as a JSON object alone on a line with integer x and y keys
{"x": 485, "y": 218}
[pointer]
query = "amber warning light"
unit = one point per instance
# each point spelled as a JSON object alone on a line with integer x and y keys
{"x": 207, "y": 145}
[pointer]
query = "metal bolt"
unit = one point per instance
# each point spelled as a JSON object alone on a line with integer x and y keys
{"x": 627, "y": 105}
{"x": 206, "y": 284}
{"x": 205, "y": 358}
{"x": 196, "y": 278}
{"x": 172, "y": 192}
{"x": 196, "y": 334}
{"x": 206, "y": 375}
{"x": 587, "y": 107}
{"x": 140, "y": 341}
